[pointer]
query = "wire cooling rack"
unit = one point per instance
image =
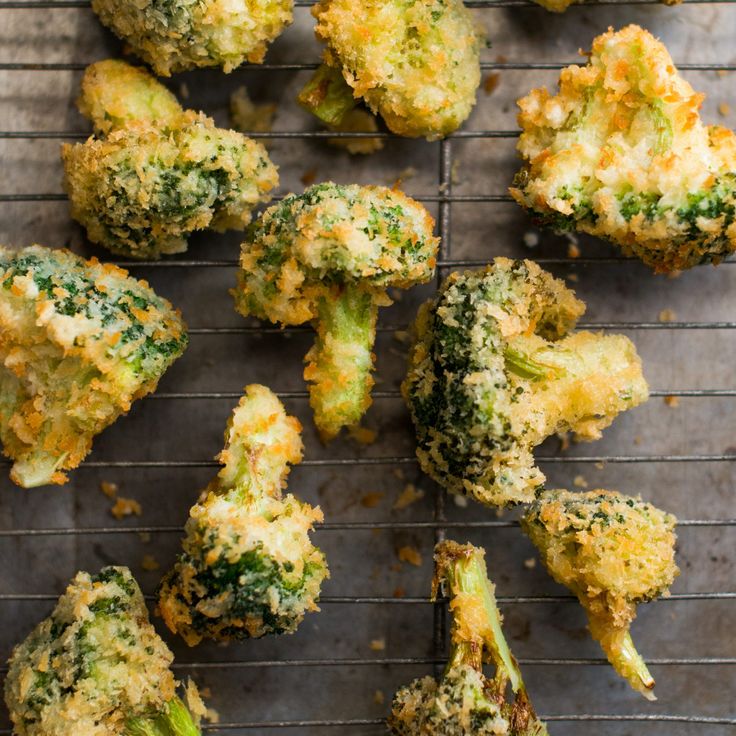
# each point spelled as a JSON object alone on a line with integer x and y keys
{"x": 685, "y": 466}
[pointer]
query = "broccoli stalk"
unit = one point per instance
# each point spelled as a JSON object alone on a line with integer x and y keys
{"x": 327, "y": 95}
{"x": 340, "y": 363}
{"x": 465, "y": 701}
{"x": 174, "y": 720}
{"x": 248, "y": 567}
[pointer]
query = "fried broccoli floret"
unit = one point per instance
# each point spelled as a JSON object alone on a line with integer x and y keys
{"x": 560, "y": 6}
{"x": 612, "y": 551}
{"x": 465, "y": 701}
{"x": 329, "y": 255}
{"x": 416, "y": 63}
{"x": 621, "y": 153}
{"x": 493, "y": 372}
{"x": 155, "y": 173}
{"x": 248, "y": 567}
{"x": 96, "y": 667}
{"x": 79, "y": 342}
{"x": 177, "y": 35}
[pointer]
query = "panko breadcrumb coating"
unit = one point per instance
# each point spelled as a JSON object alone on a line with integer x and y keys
{"x": 612, "y": 551}
{"x": 96, "y": 667}
{"x": 79, "y": 342}
{"x": 416, "y": 63}
{"x": 178, "y": 35}
{"x": 328, "y": 256}
{"x": 495, "y": 370}
{"x": 620, "y": 152}
{"x": 465, "y": 702}
{"x": 248, "y": 567}
{"x": 155, "y": 173}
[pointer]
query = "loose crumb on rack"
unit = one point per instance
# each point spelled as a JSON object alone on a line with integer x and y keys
{"x": 407, "y": 496}
{"x": 600, "y": 466}
{"x": 573, "y": 250}
{"x": 460, "y": 501}
{"x": 724, "y": 109}
{"x": 126, "y": 507}
{"x": 379, "y": 698}
{"x": 247, "y": 117}
{"x": 580, "y": 482}
{"x": 530, "y": 563}
{"x": 672, "y": 401}
{"x": 363, "y": 435}
{"x": 399, "y": 592}
{"x": 573, "y": 277}
{"x": 491, "y": 82}
{"x": 404, "y": 175}
{"x": 150, "y": 563}
{"x": 667, "y": 315}
{"x": 109, "y": 489}
{"x": 308, "y": 177}
{"x": 402, "y": 336}
{"x": 410, "y": 555}
{"x": 564, "y": 438}
{"x": 378, "y": 645}
{"x": 531, "y": 239}
{"x": 372, "y": 499}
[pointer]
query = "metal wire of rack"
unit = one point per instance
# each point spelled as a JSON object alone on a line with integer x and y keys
{"x": 440, "y": 524}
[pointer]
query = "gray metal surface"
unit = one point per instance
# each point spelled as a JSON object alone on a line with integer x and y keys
{"x": 680, "y": 458}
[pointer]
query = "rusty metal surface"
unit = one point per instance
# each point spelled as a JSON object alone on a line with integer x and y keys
{"x": 691, "y": 476}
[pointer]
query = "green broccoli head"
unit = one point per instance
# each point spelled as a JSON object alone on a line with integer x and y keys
{"x": 248, "y": 567}
{"x": 177, "y": 35}
{"x": 329, "y": 255}
{"x": 465, "y": 701}
{"x": 79, "y": 342}
{"x": 416, "y": 64}
{"x": 156, "y": 173}
{"x": 493, "y": 372}
{"x": 620, "y": 152}
{"x": 96, "y": 667}
{"x": 612, "y": 551}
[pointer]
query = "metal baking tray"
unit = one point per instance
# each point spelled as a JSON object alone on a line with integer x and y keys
{"x": 328, "y": 677}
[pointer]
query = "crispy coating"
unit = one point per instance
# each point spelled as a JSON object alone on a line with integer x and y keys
{"x": 620, "y": 152}
{"x": 79, "y": 342}
{"x": 248, "y": 567}
{"x": 93, "y": 665}
{"x": 612, "y": 551}
{"x": 155, "y": 173}
{"x": 178, "y": 35}
{"x": 493, "y": 372}
{"x": 415, "y": 63}
{"x": 465, "y": 702}
{"x": 328, "y": 255}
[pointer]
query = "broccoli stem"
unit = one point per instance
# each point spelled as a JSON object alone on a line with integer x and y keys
{"x": 339, "y": 365}
{"x": 327, "y": 95}
{"x": 176, "y": 720}
{"x": 523, "y": 366}
{"x": 620, "y": 651}
{"x": 476, "y": 622}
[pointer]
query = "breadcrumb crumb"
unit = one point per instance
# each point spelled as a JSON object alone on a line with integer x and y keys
{"x": 573, "y": 251}
{"x": 460, "y": 501}
{"x": 308, "y": 177}
{"x": 379, "y": 697}
{"x": 672, "y": 401}
{"x": 363, "y": 435}
{"x": 530, "y": 563}
{"x": 491, "y": 82}
{"x": 372, "y": 499}
{"x": 378, "y": 645}
{"x": 409, "y": 494}
{"x": 126, "y": 507}
{"x": 150, "y": 563}
{"x": 667, "y": 315}
{"x": 109, "y": 489}
{"x": 410, "y": 555}
{"x": 531, "y": 239}
{"x": 580, "y": 482}
{"x": 724, "y": 109}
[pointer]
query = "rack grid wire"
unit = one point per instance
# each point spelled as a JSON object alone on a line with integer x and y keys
{"x": 442, "y": 522}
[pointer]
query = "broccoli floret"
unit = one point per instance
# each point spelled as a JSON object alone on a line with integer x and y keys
{"x": 329, "y": 255}
{"x": 612, "y": 551}
{"x": 79, "y": 342}
{"x": 416, "y": 64}
{"x": 155, "y": 173}
{"x": 177, "y": 35}
{"x": 493, "y": 372}
{"x": 248, "y": 567}
{"x": 96, "y": 667}
{"x": 465, "y": 701}
{"x": 621, "y": 153}
{"x": 560, "y": 6}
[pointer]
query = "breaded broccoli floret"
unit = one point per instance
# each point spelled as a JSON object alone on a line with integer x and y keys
{"x": 79, "y": 342}
{"x": 559, "y": 6}
{"x": 620, "y": 152}
{"x": 465, "y": 702}
{"x": 329, "y": 255}
{"x": 612, "y": 551}
{"x": 416, "y": 63}
{"x": 96, "y": 667}
{"x": 494, "y": 370}
{"x": 248, "y": 567}
{"x": 155, "y": 173}
{"x": 177, "y": 35}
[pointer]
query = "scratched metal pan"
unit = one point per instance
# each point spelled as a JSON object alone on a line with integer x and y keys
{"x": 328, "y": 678}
